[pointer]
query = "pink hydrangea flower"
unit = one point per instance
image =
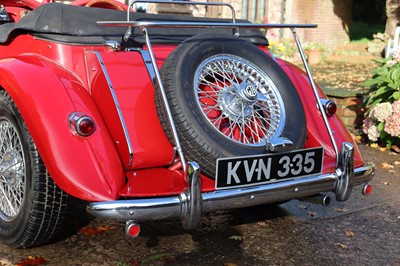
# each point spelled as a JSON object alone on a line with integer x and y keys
{"x": 396, "y": 107}
{"x": 392, "y": 125}
{"x": 381, "y": 111}
{"x": 396, "y": 55}
{"x": 391, "y": 63}
{"x": 373, "y": 133}
{"x": 367, "y": 123}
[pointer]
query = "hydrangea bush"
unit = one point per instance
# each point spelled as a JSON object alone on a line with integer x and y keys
{"x": 382, "y": 116}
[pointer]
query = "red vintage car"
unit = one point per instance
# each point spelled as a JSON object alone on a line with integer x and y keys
{"x": 149, "y": 117}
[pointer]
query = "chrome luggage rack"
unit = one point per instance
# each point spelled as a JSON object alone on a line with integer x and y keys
{"x": 143, "y": 25}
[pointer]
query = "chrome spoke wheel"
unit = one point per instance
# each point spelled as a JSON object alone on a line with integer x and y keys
{"x": 239, "y": 100}
{"x": 12, "y": 172}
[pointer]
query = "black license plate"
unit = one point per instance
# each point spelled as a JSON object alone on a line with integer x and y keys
{"x": 260, "y": 169}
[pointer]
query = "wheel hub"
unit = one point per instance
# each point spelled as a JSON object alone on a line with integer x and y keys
{"x": 9, "y": 167}
{"x": 238, "y": 100}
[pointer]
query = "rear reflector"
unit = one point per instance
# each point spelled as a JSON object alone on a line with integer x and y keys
{"x": 81, "y": 124}
{"x": 367, "y": 189}
{"x": 329, "y": 107}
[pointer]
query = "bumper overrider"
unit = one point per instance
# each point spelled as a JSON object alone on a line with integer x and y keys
{"x": 189, "y": 205}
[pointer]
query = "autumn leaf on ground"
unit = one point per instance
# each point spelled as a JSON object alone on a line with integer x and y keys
{"x": 387, "y": 165}
{"x": 312, "y": 214}
{"x": 341, "y": 245}
{"x": 374, "y": 145}
{"x": 4, "y": 262}
{"x": 396, "y": 162}
{"x": 387, "y": 183}
{"x": 230, "y": 264}
{"x": 93, "y": 231}
{"x": 31, "y": 261}
{"x": 357, "y": 138}
{"x": 237, "y": 238}
{"x": 349, "y": 233}
{"x": 340, "y": 209}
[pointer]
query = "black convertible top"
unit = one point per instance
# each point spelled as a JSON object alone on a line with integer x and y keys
{"x": 75, "y": 24}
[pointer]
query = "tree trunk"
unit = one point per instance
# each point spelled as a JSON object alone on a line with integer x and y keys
{"x": 393, "y": 16}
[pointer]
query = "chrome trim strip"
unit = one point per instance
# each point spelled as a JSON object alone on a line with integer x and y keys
{"x": 317, "y": 97}
{"x": 169, "y": 24}
{"x": 171, "y": 207}
{"x": 117, "y": 107}
{"x": 165, "y": 100}
{"x": 149, "y": 66}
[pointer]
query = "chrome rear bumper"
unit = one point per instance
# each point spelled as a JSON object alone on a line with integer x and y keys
{"x": 189, "y": 205}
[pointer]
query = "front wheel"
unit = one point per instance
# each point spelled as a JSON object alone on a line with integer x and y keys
{"x": 228, "y": 98}
{"x": 32, "y": 207}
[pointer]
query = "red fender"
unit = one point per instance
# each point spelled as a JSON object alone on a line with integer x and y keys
{"x": 46, "y": 94}
{"x": 316, "y": 131}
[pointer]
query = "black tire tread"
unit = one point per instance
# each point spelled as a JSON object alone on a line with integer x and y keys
{"x": 49, "y": 202}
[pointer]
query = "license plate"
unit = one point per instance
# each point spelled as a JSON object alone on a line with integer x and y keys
{"x": 253, "y": 170}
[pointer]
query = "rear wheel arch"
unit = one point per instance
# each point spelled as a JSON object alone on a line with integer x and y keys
{"x": 45, "y": 98}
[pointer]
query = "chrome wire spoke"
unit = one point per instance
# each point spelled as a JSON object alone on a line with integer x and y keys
{"x": 6, "y": 202}
{"x": 12, "y": 170}
{"x": 248, "y": 106}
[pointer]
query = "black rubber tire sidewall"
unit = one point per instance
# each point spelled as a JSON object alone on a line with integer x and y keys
{"x": 11, "y": 231}
{"x": 44, "y": 203}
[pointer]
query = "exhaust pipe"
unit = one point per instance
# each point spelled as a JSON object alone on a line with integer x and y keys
{"x": 319, "y": 199}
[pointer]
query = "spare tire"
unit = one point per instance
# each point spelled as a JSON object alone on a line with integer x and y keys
{"x": 228, "y": 98}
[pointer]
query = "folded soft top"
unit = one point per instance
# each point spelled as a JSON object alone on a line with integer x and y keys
{"x": 76, "y": 24}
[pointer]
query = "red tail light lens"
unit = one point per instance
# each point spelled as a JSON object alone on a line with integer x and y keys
{"x": 367, "y": 189}
{"x": 81, "y": 124}
{"x": 329, "y": 107}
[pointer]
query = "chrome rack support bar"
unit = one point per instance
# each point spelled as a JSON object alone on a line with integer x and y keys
{"x": 180, "y": 2}
{"x": 165, "y": 100}
{"x": 319, "y": 104}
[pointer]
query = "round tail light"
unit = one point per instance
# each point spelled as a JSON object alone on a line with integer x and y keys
{"x": 330, "y": 107}
{"x": 81, "y": 124}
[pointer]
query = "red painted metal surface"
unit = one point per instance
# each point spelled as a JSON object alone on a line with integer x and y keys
{"x": 316, "y": 130}
{"x": 48, "y": 81}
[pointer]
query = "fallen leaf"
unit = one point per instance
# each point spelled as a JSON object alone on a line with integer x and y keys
{"x": 387, "y": 165}
{"x": 349, "y": 233}
{"x": 237, "y": 238}
{"x": 303, "y": 206}
{"x": 382, "y": 149}
{"x": 341, "y": 245}
{"x": 374, "y": 145}
{"x": 396, "y": 162}
{"x": 340, "y": 209}
{"x": 387, "y": 183}
{"x": 312, "y": 214}
{"x": 268, "y": 230}
{"x": 31, "y": 261}
{"x": 230, "y": 264}
{"x": 392, "y": 171}
{"x": 357, "y": 139}
{"x": 93, "y": 231}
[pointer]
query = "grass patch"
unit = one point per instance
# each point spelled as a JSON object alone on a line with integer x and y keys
{"x": 361, "y": 31}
